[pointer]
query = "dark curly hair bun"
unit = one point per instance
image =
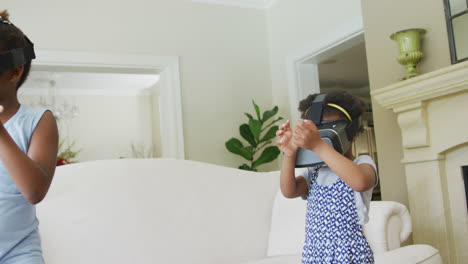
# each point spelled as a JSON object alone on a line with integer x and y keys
{"x": 11, "y": 37}
{"x": 354, "y": 105}
{"x": 5, "y": 16}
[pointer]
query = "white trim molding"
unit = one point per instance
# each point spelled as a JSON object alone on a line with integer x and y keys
{"x": 89, "y": 83}
{"x": 256, "y": 4}
{"x": 168, "y": 87}
{"x": 86, "y": 92}
{"x": 302, "y": 65}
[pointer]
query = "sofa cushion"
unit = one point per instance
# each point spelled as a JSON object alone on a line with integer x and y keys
{"x": 413, "y": 254}
{"x": 288, "y": 259}
{"x": 287, "y": 232}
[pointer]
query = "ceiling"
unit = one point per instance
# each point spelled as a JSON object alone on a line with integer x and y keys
{"x": 259, "y": 4}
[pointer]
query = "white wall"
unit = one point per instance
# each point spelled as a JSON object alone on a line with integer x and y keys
{"x": 293, "y": 25}
{"x": 223, "y": 54}
{"x": 381, "y": 19}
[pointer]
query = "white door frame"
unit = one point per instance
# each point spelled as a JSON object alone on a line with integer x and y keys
{"x": 302, "y": 65}
{"x": 172, "y": 138}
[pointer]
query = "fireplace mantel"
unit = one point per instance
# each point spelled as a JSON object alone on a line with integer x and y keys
{"x": 411, "y": 93}
{"x": 408, "y": 99}
{"x": 432, "y": 112}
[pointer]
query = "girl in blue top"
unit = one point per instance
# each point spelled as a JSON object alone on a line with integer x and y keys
{"x": 338, "y": 193}
{"x": 28, "y": 153}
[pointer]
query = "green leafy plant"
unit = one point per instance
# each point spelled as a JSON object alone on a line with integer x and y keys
{"x": 259, "y": 136}
{"x": 66, "y": 155}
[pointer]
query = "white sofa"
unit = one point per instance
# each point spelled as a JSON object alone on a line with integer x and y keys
{"x": 173, "y": 211}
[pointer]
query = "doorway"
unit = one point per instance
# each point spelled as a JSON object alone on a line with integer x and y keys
{"x": 99, "y": 115}
{"x": 159, "y": 94}
{"x": 348, "y": 71}
{"x": 339, "y": 63}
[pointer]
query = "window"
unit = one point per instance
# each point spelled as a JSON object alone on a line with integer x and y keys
{"x": 465, "y": 179}
{"x": 456, "y": 12}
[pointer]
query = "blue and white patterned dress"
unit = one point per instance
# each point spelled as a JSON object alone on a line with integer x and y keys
{"x": 333, "y": 234}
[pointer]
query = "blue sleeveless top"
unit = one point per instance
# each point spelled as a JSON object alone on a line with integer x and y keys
{"x": 17, "y": 215}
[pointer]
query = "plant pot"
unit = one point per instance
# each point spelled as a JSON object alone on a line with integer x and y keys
{"x": 409, "y": 44}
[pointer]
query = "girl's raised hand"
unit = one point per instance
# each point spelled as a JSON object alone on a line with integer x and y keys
{"x": 285, "y": 142}
{"x": 306, "y": 135}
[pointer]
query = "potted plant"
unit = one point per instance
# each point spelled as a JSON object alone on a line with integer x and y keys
{"x": 259, "y": 135}
{"x": 409, "y": 44}
{"x": 67, "y": 155}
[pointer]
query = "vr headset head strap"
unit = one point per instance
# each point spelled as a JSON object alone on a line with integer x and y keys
{"x": 316, "y": 109}
{"x": 16, "y": 57}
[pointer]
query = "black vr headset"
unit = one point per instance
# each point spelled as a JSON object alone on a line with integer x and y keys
{"x": 16, "y": 57}
{"x": 337, "y": 133}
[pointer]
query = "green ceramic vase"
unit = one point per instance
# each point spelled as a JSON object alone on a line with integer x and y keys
{"x": 409, "y": 43}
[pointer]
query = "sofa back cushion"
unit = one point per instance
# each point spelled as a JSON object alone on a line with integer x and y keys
{"x": 156, "y": 211}
{"x": 287, "y": 231}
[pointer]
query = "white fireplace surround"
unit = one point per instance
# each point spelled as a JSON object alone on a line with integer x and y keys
{"x": 432, "y": 114}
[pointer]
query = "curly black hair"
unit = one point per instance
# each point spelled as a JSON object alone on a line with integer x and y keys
{"x": 11, "y": 37}
{"x": 354, "y": 105}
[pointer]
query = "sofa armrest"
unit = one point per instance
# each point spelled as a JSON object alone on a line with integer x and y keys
{"x": 389, "y": 225}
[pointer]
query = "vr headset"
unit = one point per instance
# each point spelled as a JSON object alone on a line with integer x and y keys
{"x": 16, "y": 57}
{"x": 337, "y": 133}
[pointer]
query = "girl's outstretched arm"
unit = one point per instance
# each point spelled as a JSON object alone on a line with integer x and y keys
{"x": 32, "y": 173}
{"x": 359, "y": 177}
{"x": 291, "y": 186}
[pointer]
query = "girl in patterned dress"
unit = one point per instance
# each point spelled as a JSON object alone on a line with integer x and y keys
{"x": 338, "y": 193}
{"x": 28, "y": 152}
